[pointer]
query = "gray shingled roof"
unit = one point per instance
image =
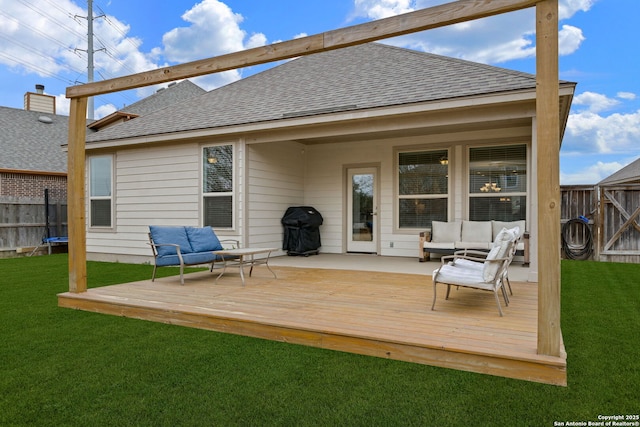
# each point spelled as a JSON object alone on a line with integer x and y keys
{"x": 628, "y": 174}
{"x": 175, "y": 92}
{"x": 26, "y": 143}
{"x": 359, "y": 77}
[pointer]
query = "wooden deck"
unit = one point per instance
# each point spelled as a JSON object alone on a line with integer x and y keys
{"x": 372, "y": 313}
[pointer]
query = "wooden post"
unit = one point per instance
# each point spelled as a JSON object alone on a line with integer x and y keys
{"x": 76, "y": 196}
{"x": 548, "y": 171}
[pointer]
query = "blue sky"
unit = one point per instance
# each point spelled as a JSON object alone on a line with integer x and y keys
{"x": 44, "y": 42}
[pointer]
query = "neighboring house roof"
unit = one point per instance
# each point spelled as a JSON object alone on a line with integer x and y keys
{"x": 627, "y": 175}
{"x": 356, "y": 78}
{"x": 31, "y": 141}
{"x": 175, "y": 92}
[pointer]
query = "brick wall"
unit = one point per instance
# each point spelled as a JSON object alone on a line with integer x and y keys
{"x": 32, "y": 186}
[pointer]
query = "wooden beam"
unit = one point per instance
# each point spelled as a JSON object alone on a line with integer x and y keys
{"x": 420, "y": 20}
{"x": 76, "y": 196}
{"x": 548, "y": 170}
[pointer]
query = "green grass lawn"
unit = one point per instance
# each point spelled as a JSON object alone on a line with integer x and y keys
{"x": 63, "y": 367}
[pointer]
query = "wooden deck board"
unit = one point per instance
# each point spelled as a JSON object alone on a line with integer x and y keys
{"x": 378, "y": 314}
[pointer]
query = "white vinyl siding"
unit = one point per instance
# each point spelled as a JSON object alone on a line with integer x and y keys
{"x": 157, "y": 186}
{"x": 275, "y": 182}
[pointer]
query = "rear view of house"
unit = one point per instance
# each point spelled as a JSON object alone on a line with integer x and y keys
{"x": 380, "y": 140}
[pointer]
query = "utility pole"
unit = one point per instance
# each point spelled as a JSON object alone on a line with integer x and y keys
{"x": 90, "y": 108}
{"x": 90, "y": 51}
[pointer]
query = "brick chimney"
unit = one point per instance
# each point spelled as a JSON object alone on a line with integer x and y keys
{"x": 38, "y": 101}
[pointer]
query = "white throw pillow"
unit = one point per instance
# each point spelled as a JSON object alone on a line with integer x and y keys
{"x": 499, "y": 225}
{"x": 501, "y": 245}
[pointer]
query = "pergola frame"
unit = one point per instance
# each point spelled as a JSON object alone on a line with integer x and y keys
{"x": 547, "y": 126}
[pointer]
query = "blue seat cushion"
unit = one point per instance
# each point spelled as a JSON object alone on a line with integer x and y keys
{"x": 203, "y": 239}
{"x": 189, "y": 259}
{"x": 175, "y": 235}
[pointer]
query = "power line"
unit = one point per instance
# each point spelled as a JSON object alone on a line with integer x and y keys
{"x": 35, "y": 30}
{"x": 45, "y": 14}
{"x": 109, "y": 49}
{"x": 35, "y": 68}
{"x": 37, "y": 52}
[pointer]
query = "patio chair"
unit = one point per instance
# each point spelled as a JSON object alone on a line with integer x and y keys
{"x": 180, "y": 246}
{"x": 453, "y": 272}
{"x": 475, "y": 259}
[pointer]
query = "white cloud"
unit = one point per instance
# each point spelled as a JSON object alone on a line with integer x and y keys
{"x": 569, "y": 39}
{"x": 626, "y": 95}
{"x": 491, "y": 40}
{"x": 589, "y": 132}
{"x": 42, "y": 43}
{"x": 214, "y": 29}
{"x": 105, "y": 110}
{"x": 591, "y": 174}
{"x": 568, "y": 8}
{"x": 378, "y": 9}
{"x": 63, "y": 105}
{"x": 595, "y": 102}
{"x": 36, "y": 38}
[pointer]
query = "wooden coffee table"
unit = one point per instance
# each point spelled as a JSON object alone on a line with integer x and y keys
{"x": 244, "y": 256}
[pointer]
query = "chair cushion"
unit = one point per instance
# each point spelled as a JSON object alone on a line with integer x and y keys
{"x": 189, "y": 259}
{"x": 476, "y": 231}
{"x": 174, "y": 235}
{"x": 203, "y": 239}
{"x": 500, "y": 249}
{"x": 497, "y": 226}
{"x": 445, "y": 232}
{"x": 457, "y": 275}
{"x": 467, "y": 263}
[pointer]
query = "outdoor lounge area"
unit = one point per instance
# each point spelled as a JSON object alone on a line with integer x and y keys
{"x": 382, "y": 314}
{"x": 347, "y": 303}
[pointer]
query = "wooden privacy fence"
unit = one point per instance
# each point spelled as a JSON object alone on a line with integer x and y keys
{"x": 619, "y": 219}
{"x": 576, "y": 202}
{"x": 23, "y": 222}
{"x": 613, "y": 214}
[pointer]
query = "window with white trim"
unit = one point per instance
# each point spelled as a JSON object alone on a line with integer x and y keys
{"x": 101, "y": 191}
{"x": 423, "y": 188}
{"x": 217, "y": 190}
{"x": 498, "y": 183}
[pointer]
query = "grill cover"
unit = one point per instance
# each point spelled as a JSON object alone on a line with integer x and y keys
{"x": 301, "y": 230}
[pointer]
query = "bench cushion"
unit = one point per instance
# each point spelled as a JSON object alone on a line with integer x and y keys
{"x": 445, "y": 232}
{"x": 203, "y": 239}
{"x": 477, "y": 231}
{"x": 175, "y": 235}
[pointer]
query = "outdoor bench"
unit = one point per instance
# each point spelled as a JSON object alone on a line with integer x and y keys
{"x": 180, "y": 246}
{"x": 448, "y": 237}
